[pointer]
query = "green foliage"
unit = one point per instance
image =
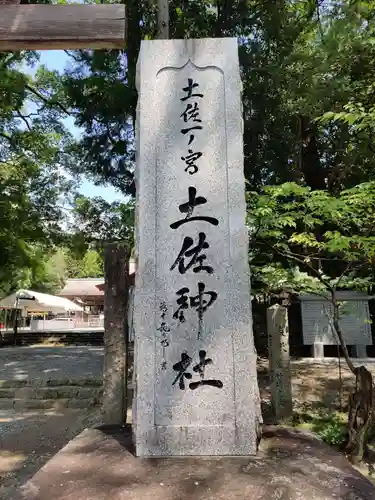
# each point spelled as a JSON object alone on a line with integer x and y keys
{"x": 92, "y": 265}
{"x": 333, "y": 432}
{"x": 330, "y": 237}
{"x": 36, "y": 149}
{"x": 97, "y": 220}
{"x": 275, "y": 277}
{"x": 331, "y": 427}
{"x": 308, "y": 106}
{"x": 299, "y": 60}
{"x": 32, "y": 185}
{"x": 64, "y": 264}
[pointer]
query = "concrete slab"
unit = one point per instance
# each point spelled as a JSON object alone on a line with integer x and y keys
{"x": 99, "y": 465}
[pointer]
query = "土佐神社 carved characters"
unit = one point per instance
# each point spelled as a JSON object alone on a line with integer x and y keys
{"x": 199, "y": 302}
{"x": 182, "y": 366}
{"x": 194, "y": 253}
{"x": 188, "y": 209}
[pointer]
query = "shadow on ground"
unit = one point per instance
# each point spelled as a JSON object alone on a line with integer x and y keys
{"x": 35, "y": 362}
{"x": 100, "y": 464}
{"x": 315, "y": 383}
{"x": 30, "y": 438}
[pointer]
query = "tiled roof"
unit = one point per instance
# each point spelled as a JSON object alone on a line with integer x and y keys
{"x": 82, "y": 287}
{"x": 88, "y": 287}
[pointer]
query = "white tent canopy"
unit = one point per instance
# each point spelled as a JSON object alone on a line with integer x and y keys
{"x": 29, "y": 301}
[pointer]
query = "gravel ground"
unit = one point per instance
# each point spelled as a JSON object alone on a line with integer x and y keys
{"x": 29, "y": 438}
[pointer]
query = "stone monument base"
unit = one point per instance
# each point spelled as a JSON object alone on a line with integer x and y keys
{"x": 99, "y": 465}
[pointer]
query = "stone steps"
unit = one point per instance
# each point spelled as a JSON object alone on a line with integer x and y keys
{"x": 59, "y": 392}
{"x": 50, "y": 394}
{"x": 79, "y": 382}
{"x": 72, "y": 337}
{"x": 45, "y": 404}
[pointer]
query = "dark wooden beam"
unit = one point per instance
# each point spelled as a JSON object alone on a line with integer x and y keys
{"x": 49, "y": 27}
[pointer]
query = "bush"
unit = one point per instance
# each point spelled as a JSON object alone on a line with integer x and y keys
{"x": 333, "y": 431}
{"x": 331, "y": 428}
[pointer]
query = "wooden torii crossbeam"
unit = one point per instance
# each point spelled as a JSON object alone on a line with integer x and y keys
{"x": 47, "y": 27}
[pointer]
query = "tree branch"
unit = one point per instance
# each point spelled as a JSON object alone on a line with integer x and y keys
{"x": 317, "y": 7}
{"x": 70, "y": 54}
{"x": 8, "y": 61}
{"x": 47, "y": 101}
{"x": 336, "y": 325}
{"x": 290, "y": 255}
{"x": 23, "y": 118}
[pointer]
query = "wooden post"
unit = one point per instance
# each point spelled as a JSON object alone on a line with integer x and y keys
{"x": 116, "y": 273}
{"x": 15, "y": 327}
{"x": 38, "y": 27}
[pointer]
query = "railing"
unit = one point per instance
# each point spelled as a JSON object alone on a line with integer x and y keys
{"x": 59, "y": 324}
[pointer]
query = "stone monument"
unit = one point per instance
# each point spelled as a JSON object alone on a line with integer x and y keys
{"x": 196, "y": 390}
{"x": 279, "y": 361}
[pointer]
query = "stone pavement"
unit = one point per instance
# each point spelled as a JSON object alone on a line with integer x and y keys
{"x": 29, "y": 438}
{"x": 51, "y": 363}
{"x": 61, "y": 362}
{"x": 99, "y": 465}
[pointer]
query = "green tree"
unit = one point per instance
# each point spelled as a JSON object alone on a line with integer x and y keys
{"x": 299, "y": 60}
{"x": 321, "y": 243}
{"x": 92, "y": 265}
{"x": 29, "y": 223}
{"x": 33, "y": 188}
{"x": 56, "y": 270}
{"x": 96, "y": 220}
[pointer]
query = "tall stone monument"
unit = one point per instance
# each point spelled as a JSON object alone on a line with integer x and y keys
{"x": 196, "y": 390}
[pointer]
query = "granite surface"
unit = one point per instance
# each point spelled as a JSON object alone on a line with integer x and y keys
{"x": 195, "y": 376}
{"x": 279, "y": 361}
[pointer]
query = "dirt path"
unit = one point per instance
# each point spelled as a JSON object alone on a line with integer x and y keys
{"x": 28, "y": 439}
{"x": 316, "y": 383}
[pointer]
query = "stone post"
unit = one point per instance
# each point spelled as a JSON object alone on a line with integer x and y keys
{"x": 359, "y": 351}
{"x": 196, "y": 390}
{"x": 279, "y": 361}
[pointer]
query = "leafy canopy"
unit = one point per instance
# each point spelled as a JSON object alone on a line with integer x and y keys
{"x": 331, "y": 238}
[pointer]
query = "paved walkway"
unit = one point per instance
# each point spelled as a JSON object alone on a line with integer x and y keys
{"x": 70, "y": 362}
{"x": 41, "y": 363}
{"x": 29, "y": 438}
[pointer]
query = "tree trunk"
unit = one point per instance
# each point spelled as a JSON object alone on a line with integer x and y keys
{"x": 224, "y": 13}
{"x": 116, "y": 272}
{"x": 360, "y": 415}
{"x": 163, "y": 19}
{"x": 310, "y": 165}
{"x": 360, "y": 401}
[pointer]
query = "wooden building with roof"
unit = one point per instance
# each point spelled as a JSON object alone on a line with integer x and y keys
{"x": 89, "y": 292}
{"x": 85, "y": 292}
